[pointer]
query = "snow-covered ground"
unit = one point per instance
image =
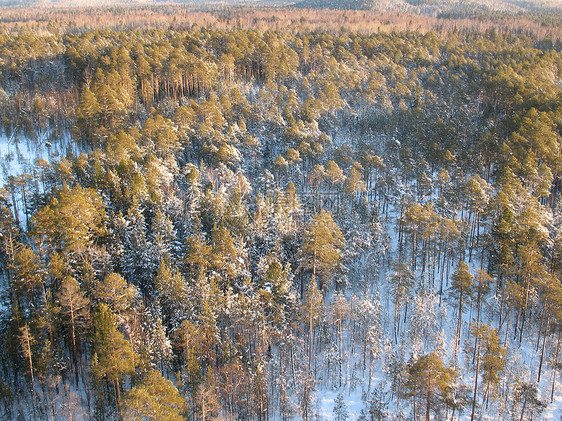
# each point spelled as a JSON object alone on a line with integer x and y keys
{"x": 18, "y": 154}
{"x": 554, "y": 411}
{"x": 326, "y": 402}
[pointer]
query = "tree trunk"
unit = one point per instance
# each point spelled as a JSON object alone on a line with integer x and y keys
{"x": 475, "y": 383}
{"x": 555, "y": 368}
{"x": 74, "y": 354}
{"x": 523, "y": 409}
{"x": 478, "y": 306}
{"x": 543, "y": 348}
{"x": 309, "y": 341}
{"x": 396, "y": 321}
{"x": 543, "y": 312}
{"x": 340, "y": 362}
{"x": 459, "y": 326}
{"x": 118, "y": 397}
{"x": 428, "y": 407}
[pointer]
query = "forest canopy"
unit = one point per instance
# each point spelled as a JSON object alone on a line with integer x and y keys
{"x": 264, "y": 213}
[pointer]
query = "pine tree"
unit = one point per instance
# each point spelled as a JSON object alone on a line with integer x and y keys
{"x": 113, "y": 356}
{"x": 207, "y": 398}
{"x": 164, "y": 235}
{"x": 376, "y": 405}
{"x": 139, "y": 259}
{"x": 490, "y": 359}
{"x": 116, "y": 293}
{"x": 340, "y": 312}
{"x": 461, "y": 292}
{"x": 88, "y": 113}
{"x": 334, "y": 174}
{"x": 153, "y": 398}
{"x": 173, "y": 294}
{"x": 75, "y": 308}
{"x": 340, "y": 408}
{"x": 322, "y": 248}
{"x": 188, "y": 338}
{"x": 196, "y": 258}
{"x": 401, "y": 283}
{"x": 27, "y": 342}
{"x": 227, "y": 256}
{"x": 428, "y": 378}
{"x": 481, "y": 287}
{"x": 27, "y": 279}
{"x": 526, "y": 399}
{"x": 72, "y": 221}
{"x": 313, "y": 311}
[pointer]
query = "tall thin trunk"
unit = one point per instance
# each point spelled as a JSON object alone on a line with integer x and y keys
{"x": 74, "y": 353}
{"x": 475, "y": 383}
{"x": 309, "y": 341}
{"x": 516, "y": 324}
{"x": 545, "y": 337}
{"x": 293, "y": 364}
{"x": 555, "y": 367}
{"x": 370, "y": 369}
{"x": 69, "y": 404}
{"x": 428, "y": 407}
{"x": 27, "y": 349}
{"x": 478, "y": 306}
{"x": 486, "y": 394}
{"x": 118, "y": 397}
{"x": 396, "y": 321}
{"x": 523, "y": 409}
{"x": 459, "y": 326}
{"x": 340, "y": 335}
{"x": 543, "y": 313}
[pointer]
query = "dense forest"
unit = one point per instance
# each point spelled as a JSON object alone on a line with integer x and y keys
{"x": 263, "y": 216}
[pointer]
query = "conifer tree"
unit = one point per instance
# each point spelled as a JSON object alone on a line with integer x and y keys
{"x": 27, "y": 341}
{"x": 154, "y": 398}
{"x": 313, "y": 311}
{"x": 112, "y": 355}
{"x": 490, "y": 359}
{"x": 207, "y": 398}
{"x": 340, "y": 408}
{"x": 75, "y": 308}
{"x": 72, "y": 221}
{"x": 429, "y": 379}
{"x": 340, "y": 312}
{"x": 526, "y": 399}
{"x": 116, "y": 293}
{"x": 461, "y": 292}
{"x": 322, "y": 248}
{"x": 401, "y": 283}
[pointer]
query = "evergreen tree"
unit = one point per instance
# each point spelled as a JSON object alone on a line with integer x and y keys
{"x": 154, "y": 398}
{"x": 116, "y": 293}
{"x": 461, "y": 292}
{"x": 401, "y": 283}
{"x": 72, "y": 222}
{"x": 139, "y": 259}
{"x": 376, "y": 406}
{"x": 526, "y": 399}
{"x": 75, "y": 308}
{"x": 490, "y": 359}
{"x": 322, "y": 247}
{"x": 429, "y": 379}
{"x": 313, "y": 311}
{"x": 340, "y": 408}
{"x": 112, "y": 355}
